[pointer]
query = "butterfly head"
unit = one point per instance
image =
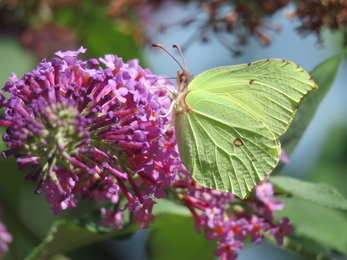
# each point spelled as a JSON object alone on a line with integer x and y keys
{"x": 183, "y": 79}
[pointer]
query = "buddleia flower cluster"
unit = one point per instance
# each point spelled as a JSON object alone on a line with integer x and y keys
{"x": 100, "y": 129}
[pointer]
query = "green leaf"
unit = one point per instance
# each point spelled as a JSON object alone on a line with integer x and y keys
{"x": 179, "y": 240}
{"x": 68, "y": 235}
{"x": 174, "y": 236}
{"x": 332, "y": 160}
{"x": 322, "y": 225}
{"x": 305, "y": 248}
{"x": 324, "y": 75}
{"x": 322, "y": 194}
{"x": 103, "y": 37}
{"x": 166, "y": 206}
{"x": 98, "y": 31}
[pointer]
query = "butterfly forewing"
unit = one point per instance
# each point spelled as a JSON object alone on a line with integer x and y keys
{"x": 271, "y": 90}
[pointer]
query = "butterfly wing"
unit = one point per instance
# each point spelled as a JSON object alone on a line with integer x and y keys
{"x": 228, "y": 136}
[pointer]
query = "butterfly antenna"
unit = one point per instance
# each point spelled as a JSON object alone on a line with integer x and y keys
{"x": 164, "y": 49}
{"x": 182, "y": 56}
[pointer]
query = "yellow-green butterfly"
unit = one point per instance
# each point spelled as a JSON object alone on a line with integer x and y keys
{"x": 228, "y": 120}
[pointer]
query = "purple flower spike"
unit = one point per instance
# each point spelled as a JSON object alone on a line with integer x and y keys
{"x": 84, "y": 130}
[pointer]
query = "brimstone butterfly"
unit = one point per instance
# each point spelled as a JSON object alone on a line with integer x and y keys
{"x": 228, "y": 120}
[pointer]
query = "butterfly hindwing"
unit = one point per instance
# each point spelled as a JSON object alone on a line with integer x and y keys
{"x": 223, "y": 146}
